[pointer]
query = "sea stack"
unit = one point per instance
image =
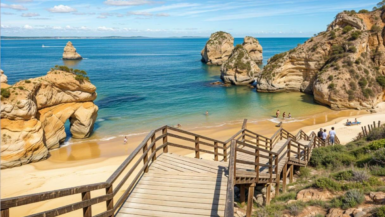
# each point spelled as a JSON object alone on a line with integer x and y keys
{"x": 34, "y": 112}
{"x": 240, "y": 68}
{"x": 218, "y": 48}
{"x": 4, "y": 78}
{"x": 70, "y": 52}
{"x": 342, "y": 67}
{"x": 254, "y": 49}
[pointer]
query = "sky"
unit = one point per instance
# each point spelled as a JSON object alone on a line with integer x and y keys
{"x": 171, "y": 18}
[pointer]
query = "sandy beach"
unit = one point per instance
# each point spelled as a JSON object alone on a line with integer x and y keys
{"x": 92, "y": 162}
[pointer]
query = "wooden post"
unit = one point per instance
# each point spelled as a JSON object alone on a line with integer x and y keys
{"x": 145, "y": 158}
{"x": 4, "y": 213}
{"x": 242, "y": 197}
{"x": 366, "y": 132}
{"x": 379, "y": 123}
{"x": 288, "y": 150}
{"x": 224, "y": 152}
{"x": 284, "y": 178}
{"x": 271, "y": 167}
{"x": 216, "y": 151}
{"x": 268, "y": 193}
{"x": 257, "y": 162}
{"x": 87, "y": 211}
{"x": 298, "y": 152}
{"x": 250, "y": 200}
{"x": 153, "y": 147}
{"x": 164, "y": 132}
{"x": 197, "y": 147}
{"x": 291, "y": 173}
{"x": 110, "y": 202}
{"x": 235, "y": 162}
{"x": 374, "y": 124}
{"x": 277, "y": 175}
{"x": 363, "y": 131}
{"x": 257, "y": 140}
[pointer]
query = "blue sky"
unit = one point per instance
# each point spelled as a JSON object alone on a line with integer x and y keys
{"x": 165, "y": 18}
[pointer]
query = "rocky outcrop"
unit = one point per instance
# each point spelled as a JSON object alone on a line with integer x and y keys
{"x": 70, "y": 52}
{"x": 218, "y": 48}
{"x": 239, "y": 69}
{"x": 4, "y": 78}
{"x": 254, "y": 49}
{"x": 339, "y": 66}
{"x": 314, "y": 194}
{"x": 377, "y": 197}
{"x": 34, "y": 113}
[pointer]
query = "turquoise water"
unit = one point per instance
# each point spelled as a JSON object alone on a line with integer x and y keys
{"x": 147, "y": 83}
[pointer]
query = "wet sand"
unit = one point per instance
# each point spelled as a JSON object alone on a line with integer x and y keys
{"x": 92, "y": 162}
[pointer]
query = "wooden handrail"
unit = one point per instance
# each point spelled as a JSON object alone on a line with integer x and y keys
{"x": 229, "y": 205}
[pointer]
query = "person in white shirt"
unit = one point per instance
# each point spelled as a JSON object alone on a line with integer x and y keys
{"x": 324, "y": 135}
{"x": 332, "y": 135}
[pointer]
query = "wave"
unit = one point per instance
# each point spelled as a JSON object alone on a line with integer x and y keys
{"x": 50, "y": 46}
{"x": 288, "y": 120}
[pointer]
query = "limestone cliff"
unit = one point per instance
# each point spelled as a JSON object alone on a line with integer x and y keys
{"x": 70, "y": 52}
{"x": 254, "y": 49}
{"x": 240, "y": 68}
{"x": 34, "y": 111}
{"x": 218, "y": 48}
{"x": 4, "y": 78}
{"x": 342, "y": 66}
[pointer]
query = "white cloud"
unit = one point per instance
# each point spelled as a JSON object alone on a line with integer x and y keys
{"x": 30, "y": 15}
{"x": 7, "y": 13}
{"x": 62, "y": 9}
{"x": 27, "y": 27}
{"x": 102, "y": 17}
{"x": 78, "y": 13}
{"x": 103, "y": 28}
{"x": 57, "y": 27}
{"x": 170, "y": 7}
{"x": 162, "y": 15}
{"x": 21, "y": 1}
{"x": 84, "y": 28}
{"x": 128, "y": 2}
{"x": 14, "y": 7}
{"x": 140, "y": 13}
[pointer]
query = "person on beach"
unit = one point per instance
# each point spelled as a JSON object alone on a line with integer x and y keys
{"x": 178, "y": 126}
{"x": 125, "y": 140}
{"x": 283, "y": 115}
{"x": 332, "y": 135}
{"x": 207, "y": 113}
{"x": 289, "y": 115}
{"x": 320, "y": 132}
{"x": 324, "y": 135}
{"x": 277, "y": 114}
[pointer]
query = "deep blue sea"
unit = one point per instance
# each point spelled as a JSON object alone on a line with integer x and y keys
{"x": 147, "y": 83}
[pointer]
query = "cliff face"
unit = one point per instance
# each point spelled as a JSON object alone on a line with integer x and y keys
{"x": 70, "y": 52}
{"x": 254, "y": 49}
{"x": 340, "y": 66}
{"x": 34, "y": 111}
{"x": 218, "y": 48}
{"x": 240, "y": 68}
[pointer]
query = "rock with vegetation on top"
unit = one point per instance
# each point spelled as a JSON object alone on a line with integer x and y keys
{"x": 239, "y": 69}
{"x": 314, "y": 194}
{"x": 70, "y": 52}
{"x": 254, "y": 49}
{"x": 34, "y": 112}
{"x": 343, "y": 67}
{"x": 218, "y": 48}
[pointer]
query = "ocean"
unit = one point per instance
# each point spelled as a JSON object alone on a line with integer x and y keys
{"x": 143, "y": 84}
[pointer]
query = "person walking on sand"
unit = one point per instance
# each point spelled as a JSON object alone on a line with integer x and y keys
{"x": 277, "y": 114}
{"x": 324, "y": 135}
{"x": 283, "y": 115}
{"x": 125, "y": 140}
{"x": 332, "y": 135}
{"x": 320, "y": 132}
{"x": 207, "y": 113}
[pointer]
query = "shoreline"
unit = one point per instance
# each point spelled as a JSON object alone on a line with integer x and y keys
{"x": 94, "y": 161}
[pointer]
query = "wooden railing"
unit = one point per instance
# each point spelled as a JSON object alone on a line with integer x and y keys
{"x": 126, "y": 175}
{"x": 229, "y": 205}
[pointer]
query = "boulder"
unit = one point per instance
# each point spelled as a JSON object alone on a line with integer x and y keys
{"x": 254, "y": 49}
{"x": 218, "y": 48}
{"x": 314, "y": 194}
{"x": 343, "y": 19}
{"x": 311, "y": 211}
{"x": 22, "y": 142}
{"x": 239, "y": 69}
{"x": 70, "y": 52}
{"x": 4, "y": 78}
{"x": 377, "y": 197}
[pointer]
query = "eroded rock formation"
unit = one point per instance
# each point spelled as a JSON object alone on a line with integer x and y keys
{"x": 34, "y": 111}
{"x": 254, "y": 49}
{"x": 240, "y": 68}
{"x": 70, "y": 52}
{"x": 340, "y": 66}
{"x": 218, "y": 48}
{"x": 4, "y": 78}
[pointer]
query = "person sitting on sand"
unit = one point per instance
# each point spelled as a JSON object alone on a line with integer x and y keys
{"x": 178, "y": 126}
{"x": 277, "y": 114}
{"x": 348, "y": 122}
{"x": 320, "y": 132}
{"x": 283, "y": 115}
{"x": 289, "y": 115}
{"x": 355, "y": 120}
{"x": 125, "y": 140}
{"x": 324, "y": 135}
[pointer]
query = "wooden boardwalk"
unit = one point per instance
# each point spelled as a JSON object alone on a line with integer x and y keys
{"x": 179, "y": 186}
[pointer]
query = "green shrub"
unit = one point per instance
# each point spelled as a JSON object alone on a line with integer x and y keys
{"x": 381, "y": 80}
{"x": 347, "y": 28}
{"x": 367, "y": 92}
{"x": 362, "y": 82}
{"x": 344, "y": 175}
{"x": 327, "y": 183}
{"x": 304, "y": 172}
{"x": 379, "y": 156}
{"x": 377, "y": 170}
{"x": 332, "y": 34}
{"x": 331, "y": 86}
{"x": 351, "y": 199}
{"x": 354, "y": 35}
{"x": 373, "y": 146}
{"x": 380, "y": 212}
{"x": 331, "y": 156}
{"x": 27, "y": 81}
{"x": 5, "y": 93}
{"x": 377, "y": 134}
{"x": 330, "y": 78}
{"x": 277, "y": 57}
{"x": 284, "y": 197}
{"x": 363, "y": 11}
{"x": 376, "y": 29}
{"x": 353, "y": 85}
{"x": 352, "y": 49}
